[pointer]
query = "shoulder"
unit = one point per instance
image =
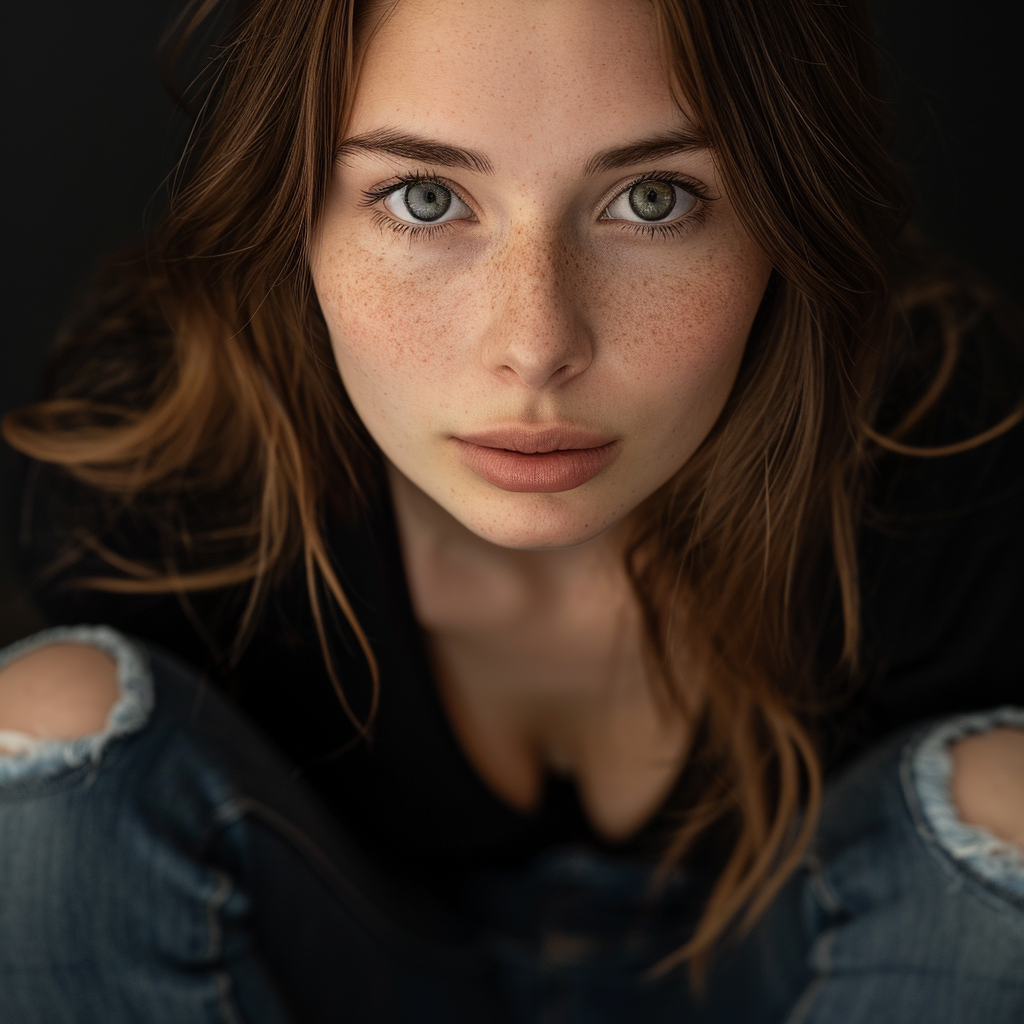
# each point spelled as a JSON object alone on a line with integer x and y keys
{"x": 60, "y": 691}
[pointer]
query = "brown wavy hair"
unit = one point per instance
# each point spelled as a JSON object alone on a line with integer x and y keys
{"x": 247, "y": 400}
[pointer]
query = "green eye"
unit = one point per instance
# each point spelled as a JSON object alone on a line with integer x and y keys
{"x": 652, "y": 200}
{"x": 427, "y": 200}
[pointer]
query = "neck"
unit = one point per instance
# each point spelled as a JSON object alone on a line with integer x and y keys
{"x": 540, "y": 664}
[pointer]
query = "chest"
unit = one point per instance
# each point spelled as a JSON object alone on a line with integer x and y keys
{"x": 560, "y": 686}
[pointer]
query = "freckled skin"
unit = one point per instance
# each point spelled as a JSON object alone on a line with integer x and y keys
{"x": 535, "y": 309}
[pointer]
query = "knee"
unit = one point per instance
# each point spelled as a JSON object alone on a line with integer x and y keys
{"x": 58, "y": 692}
{"x": 987, "y": 783}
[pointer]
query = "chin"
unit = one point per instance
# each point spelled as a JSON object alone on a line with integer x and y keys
{"x": 535, "y": 522}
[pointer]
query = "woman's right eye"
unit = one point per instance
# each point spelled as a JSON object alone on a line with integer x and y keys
{"x": 426, "y": 202}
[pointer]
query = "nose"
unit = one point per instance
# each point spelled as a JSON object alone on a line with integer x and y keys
{"x": 538, "y": 334}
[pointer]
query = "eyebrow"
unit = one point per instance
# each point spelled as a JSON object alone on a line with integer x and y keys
{"x": 415, "y": 147}
{"x": 431, "y": 151}
{"x": 679, "y": 140}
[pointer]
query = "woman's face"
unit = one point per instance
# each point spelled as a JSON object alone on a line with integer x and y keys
{"x": 537, "y": 293}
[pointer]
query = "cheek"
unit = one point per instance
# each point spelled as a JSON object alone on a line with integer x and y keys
{"x": 392, "y": 327}
{"x": 682, "y": 343}
{"x": 669, "y": 333}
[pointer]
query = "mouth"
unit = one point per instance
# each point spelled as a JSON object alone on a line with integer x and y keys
{"x": 542, "y": 461}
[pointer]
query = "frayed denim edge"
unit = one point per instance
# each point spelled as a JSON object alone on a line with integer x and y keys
{"x": 39, "y": 759}
{"x": 992, "y": 858}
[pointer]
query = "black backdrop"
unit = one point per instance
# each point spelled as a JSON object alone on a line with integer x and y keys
{"x": 91, "y": 137}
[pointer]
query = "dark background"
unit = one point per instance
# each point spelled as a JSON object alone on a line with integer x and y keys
{"x": 91, "y": 138}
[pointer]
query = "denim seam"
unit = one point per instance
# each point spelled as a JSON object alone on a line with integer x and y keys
{"x": 803, "y": 1006}
{"x": 225, "y": 998}
{"x": 214, "y": 932}
{"x": 926, "y": 771}
{"x": 44, "y": 758}
{"x": 821, "y": 960}
{"x": 228, "y": 813}
{"x": 215, "y": 929}
{"x": 827, "y": 897}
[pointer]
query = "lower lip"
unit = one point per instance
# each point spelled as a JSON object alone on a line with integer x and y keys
{"x": 543, "y": 472}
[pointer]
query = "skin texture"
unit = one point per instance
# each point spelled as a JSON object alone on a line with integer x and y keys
{"x": 537, "y": 309}
{"x": 58, "y": 692}
{"x": 988, "y": 782}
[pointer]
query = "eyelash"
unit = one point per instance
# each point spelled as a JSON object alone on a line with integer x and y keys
{"x": 673, "y": 229}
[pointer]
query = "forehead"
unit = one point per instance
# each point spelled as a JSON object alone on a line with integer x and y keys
{"x": 508, "y": 76}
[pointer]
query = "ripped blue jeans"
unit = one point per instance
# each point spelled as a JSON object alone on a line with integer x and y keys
{"x": 168, "y": 870}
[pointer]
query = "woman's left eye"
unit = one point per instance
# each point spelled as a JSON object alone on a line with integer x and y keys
{"x": 651, "y": 202}
{"x": 426, "y": 202}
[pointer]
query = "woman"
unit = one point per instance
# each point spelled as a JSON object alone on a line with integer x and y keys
{"x": 535, "y": 418}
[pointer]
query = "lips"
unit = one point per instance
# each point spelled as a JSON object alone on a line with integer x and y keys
{"x": 520, "y": 458}
{"x": 531, "y": 440}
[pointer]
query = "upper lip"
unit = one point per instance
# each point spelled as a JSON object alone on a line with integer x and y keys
{"x": 533, "y": 440}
